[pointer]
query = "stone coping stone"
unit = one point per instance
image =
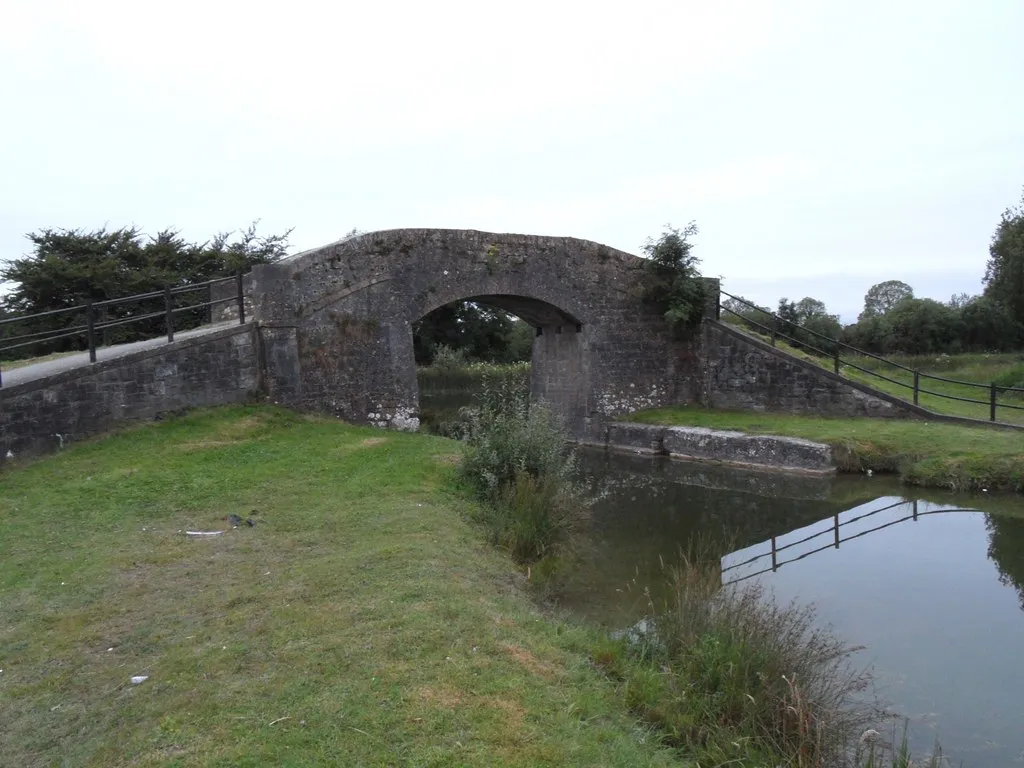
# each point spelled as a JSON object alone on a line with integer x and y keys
{"x": 703, "y": 444}
{"x": 639, "y": 438}
{"x": 741, "y": 448}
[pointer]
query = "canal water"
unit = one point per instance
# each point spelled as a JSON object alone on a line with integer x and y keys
{"x": 936, "y": 597}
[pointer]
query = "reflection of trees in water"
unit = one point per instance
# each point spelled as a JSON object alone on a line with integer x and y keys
{"x": 1006, "y": 550}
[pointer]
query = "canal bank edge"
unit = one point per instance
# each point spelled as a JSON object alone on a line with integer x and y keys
{"x": 787, "y": 454}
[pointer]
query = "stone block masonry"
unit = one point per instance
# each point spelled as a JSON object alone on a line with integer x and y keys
{"x": 46, "y": 414}
{"x": 743, "y": 373}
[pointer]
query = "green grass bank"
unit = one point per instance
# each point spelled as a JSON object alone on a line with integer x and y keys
{"x": 930, "y": 454}
{"x": 361, "y": 621}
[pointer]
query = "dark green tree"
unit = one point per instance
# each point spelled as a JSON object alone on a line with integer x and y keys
{"x": 789, "y": 314}
{"x": 872, "y": 334}
{"x": 809, "y": 314}
{"x": 68, "y": 267}
{"x": 924, "y": 326}
{"x": 673, "y": 280}
{"x": 883, "y": 297}
{"x": 1004, "y": 275}
{"x": 989, "y": 327}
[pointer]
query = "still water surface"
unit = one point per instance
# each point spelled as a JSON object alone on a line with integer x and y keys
{"x": 936, "y": 598}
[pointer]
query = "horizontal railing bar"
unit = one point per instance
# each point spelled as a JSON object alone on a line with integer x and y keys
{"x": 1011, "y": 407}
{"x": 189, "y": 288}
{"x": 127, "y": 320}
{"x": 924, "y": 391}
{"x": 831, "y": 529}
{"x": 128, "y": 299}
{"x": 49, "y": 313}
{"x": 746, "y": 562}
{"x": 203, "y": 305}
{"x": 879, "y": 358}
{"x": 953, "y": 381}
{"x": 120, "y": 300}
{"x": 43, "y": 341}
{"x": 41, "y": 333}
{"x": 877, "y": 374}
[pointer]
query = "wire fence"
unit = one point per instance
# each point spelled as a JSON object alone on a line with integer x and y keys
{"x": 93, "y": 324}
{"x": 840, "y": 354}
{"x": 833, "y": 535}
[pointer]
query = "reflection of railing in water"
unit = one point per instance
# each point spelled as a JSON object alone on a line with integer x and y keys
{"x": 837, "y": 539}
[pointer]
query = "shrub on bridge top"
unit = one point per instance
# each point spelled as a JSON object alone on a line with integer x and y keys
{"x": 673, "y": 281}
{"x": 517, "y": 464}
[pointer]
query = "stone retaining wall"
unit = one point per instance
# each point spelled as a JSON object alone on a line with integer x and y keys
{"x": 743, "y": 373}
{"x": 765, "y": 451}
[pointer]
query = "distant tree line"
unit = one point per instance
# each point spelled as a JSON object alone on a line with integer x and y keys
{"x": 894, "y": 320}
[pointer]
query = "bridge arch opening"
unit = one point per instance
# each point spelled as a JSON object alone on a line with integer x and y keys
{"x": 537, "y": 345}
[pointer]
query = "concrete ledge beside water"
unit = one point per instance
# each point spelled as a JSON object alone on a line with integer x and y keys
{"x": 701, "y": 444}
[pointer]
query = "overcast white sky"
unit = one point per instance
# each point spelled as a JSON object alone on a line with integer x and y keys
{"x": 820, "y": 146}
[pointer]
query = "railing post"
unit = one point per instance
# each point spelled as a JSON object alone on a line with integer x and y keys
{"x": 992, "y": 402}
{"x": 90, "y": 329}
{"x": 241, "y": 299}
{"x": 836, "y": 527}
{"x": 775, "y": 562}
{"x": 835, "y": 357}
{"x": 774, "y": 331}
{"x": 209, "y": 303}
{"x": 917, "y": 385}
{"x": 915, "y": 510}
{"x": 168, "y": 312}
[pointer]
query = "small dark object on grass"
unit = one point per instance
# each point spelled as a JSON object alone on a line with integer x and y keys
{"x": 235, "y": 520}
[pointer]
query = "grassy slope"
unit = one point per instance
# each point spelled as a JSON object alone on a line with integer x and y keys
{"x": 361, "y": 622}
{"x": 925, "y": 453}
{"x": 980, "y": 369}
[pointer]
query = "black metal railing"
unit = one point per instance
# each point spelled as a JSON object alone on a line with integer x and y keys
{"x": 835, "y": 539}
{"x": 832, "y": 349}
{"x": 85, "y": 322}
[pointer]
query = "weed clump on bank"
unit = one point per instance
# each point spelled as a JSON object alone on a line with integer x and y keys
{"x": 516, "y": 463}
{"x": 730, "y": 676}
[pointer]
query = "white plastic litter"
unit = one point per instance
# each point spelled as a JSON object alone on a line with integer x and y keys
{"x": 203, "y": 533}
{"x": 139, "y": 679}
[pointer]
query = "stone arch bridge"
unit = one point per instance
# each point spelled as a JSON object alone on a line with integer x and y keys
{"x": 330, "y": 330}
{"x": 336, "y": 323}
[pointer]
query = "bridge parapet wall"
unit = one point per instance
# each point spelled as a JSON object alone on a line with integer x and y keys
{"x": 46, "y": 414}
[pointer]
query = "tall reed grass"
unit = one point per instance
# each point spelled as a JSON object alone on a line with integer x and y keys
{"x": 733, "y": 678}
